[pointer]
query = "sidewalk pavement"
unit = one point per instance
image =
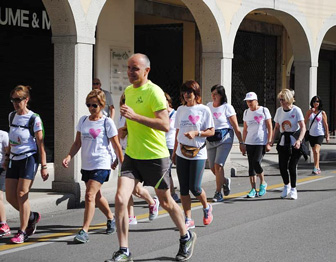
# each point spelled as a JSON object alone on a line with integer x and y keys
{"x": 42, "y": 198}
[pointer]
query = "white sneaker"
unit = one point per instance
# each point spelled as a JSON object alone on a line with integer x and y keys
{"x": 285, "y": 191}
{"x": 293, "y": 194}
{"x": 154, "y": 209}
{"x": 133, "y": 220}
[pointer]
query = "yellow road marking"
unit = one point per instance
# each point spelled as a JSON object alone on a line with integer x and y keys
{"x": 49, "y": 237}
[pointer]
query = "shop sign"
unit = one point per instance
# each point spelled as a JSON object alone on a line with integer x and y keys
{"x": 24, "y": 18}
{"x": 119, "y": 78}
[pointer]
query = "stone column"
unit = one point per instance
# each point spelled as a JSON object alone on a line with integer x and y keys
{"x": 73, "y": 77}
{"x": 212, "y": 66}
{"x": 303, "y": 87}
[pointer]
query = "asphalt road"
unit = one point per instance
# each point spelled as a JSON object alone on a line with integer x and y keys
{"x": 260, "y": 229}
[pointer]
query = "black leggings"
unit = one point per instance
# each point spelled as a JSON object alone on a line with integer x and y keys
{"x": 255, "y": 154}
{"x": 288, "y": 161}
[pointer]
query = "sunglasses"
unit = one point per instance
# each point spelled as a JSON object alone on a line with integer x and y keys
{"x": 93, "y": 105}
{"x": 17, "y": 99}
{"x": 316, "y": 101}
{"x": 282, "y": 100}
{"x": 188, "y": 91}
{"x": 95, "y": 84}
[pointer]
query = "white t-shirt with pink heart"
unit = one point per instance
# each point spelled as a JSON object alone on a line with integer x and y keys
{"x": 221, "y": 115}
{"x": 256, "y": 125}
{"x": 193, "y": 118}
{"x": 317, "y": 128}
{"x": 95, "y": 150}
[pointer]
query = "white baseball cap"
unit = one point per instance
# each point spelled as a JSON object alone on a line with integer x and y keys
{"x": 251, "y": 96}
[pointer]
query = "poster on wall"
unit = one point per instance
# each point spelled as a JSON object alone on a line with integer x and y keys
{"x": 119, "y": 79}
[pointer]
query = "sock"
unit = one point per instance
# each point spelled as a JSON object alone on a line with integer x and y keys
{"x": 186, "y": 237}
{"x": 125, "y": 250}
{"x": 3, "y": 223}
{"x": 208, "y": 207}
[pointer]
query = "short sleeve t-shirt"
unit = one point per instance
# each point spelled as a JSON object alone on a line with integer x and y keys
{"x": 4, "y": 142}
{"x": 221, "y": 115}
{"x": 144, "y": 142}
{"x": 256, "y": 125}
{"x": 95, "y": 150}
{"x": 288, "y": 121}
{"x": 193, "y": 118}
{"x": 109, "y": 102}
{"x": 170, "y": 135}
{"x": 317, "y": 128}
{"x": 20, "y": 139}
{"x": 123, "y": 141}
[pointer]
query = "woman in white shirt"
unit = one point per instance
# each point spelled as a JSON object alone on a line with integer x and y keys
{"x": 257, "y": 136}
{"x": 94, "y": 133}
{"x": 318, "y": 130}
{"x": 25, "y": 144}
{"x": 193, "y": 124}
{"x": 219, "y": 145}
{"x": 290, "y": 122}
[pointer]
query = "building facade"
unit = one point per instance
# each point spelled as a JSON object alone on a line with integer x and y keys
{"x": 57, "y": 47}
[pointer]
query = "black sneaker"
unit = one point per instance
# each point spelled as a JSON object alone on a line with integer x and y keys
{"x": 31, "y": 228}
{"x": 120, "y": 256}
{"x": 111, "y": 226}
{"x": 186, "y": 248}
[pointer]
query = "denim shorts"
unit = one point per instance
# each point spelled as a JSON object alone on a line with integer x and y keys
{"x": 25, "y": 168}
{"x": 99, "y": 175}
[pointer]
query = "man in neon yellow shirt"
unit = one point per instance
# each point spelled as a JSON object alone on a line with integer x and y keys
{"x": 147, "y": 157}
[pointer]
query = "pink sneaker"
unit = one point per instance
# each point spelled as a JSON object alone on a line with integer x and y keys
{"x": 4, "y": 230}
{"x": 19, "y": 238}
{"x": 189, "y": 223}
{"x": 154, "y": 209}
{"x": 208, "y": 217}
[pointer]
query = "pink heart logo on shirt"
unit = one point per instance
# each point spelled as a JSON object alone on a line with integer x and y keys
{"x": 217, "y": 115}
{"x": 258, "y": 119}
{"x": 193, "y": 119}
{"x": 94, "y": 132}
{"x": 318, "y": 119}
{"x": 293, "y": 116}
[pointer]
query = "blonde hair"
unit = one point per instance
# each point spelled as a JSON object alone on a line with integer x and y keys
{"x": 99, "y": 94}
{"x": 288, "y": 95}
{"x": 22, "y": 91}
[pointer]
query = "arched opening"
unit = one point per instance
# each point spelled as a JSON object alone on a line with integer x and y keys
{"x": 326, "y": 76}
{"x": 265, "y": 43}
{"x": 27, "y": 57}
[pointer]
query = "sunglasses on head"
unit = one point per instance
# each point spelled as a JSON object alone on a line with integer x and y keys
{"x": 93, "y": 105}
{"x": 17, "y": 99}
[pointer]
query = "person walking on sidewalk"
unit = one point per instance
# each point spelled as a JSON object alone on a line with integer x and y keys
{"x": 147, "y": 156}
{"x": 170, "y": 138}
{"x": 289, "y": 121}
{"x": 193, "y": 124}
{"x": 139, "y": 191}
{"x": 4, "y": 142}
{"x": 257, "y": 136}
{"x": 94, "y": 133}
{"x": 318, "y": 130}
{"x": 25, "y": 145}
{"x": 108, "y": 110}
{"x": 219, "y": 145}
